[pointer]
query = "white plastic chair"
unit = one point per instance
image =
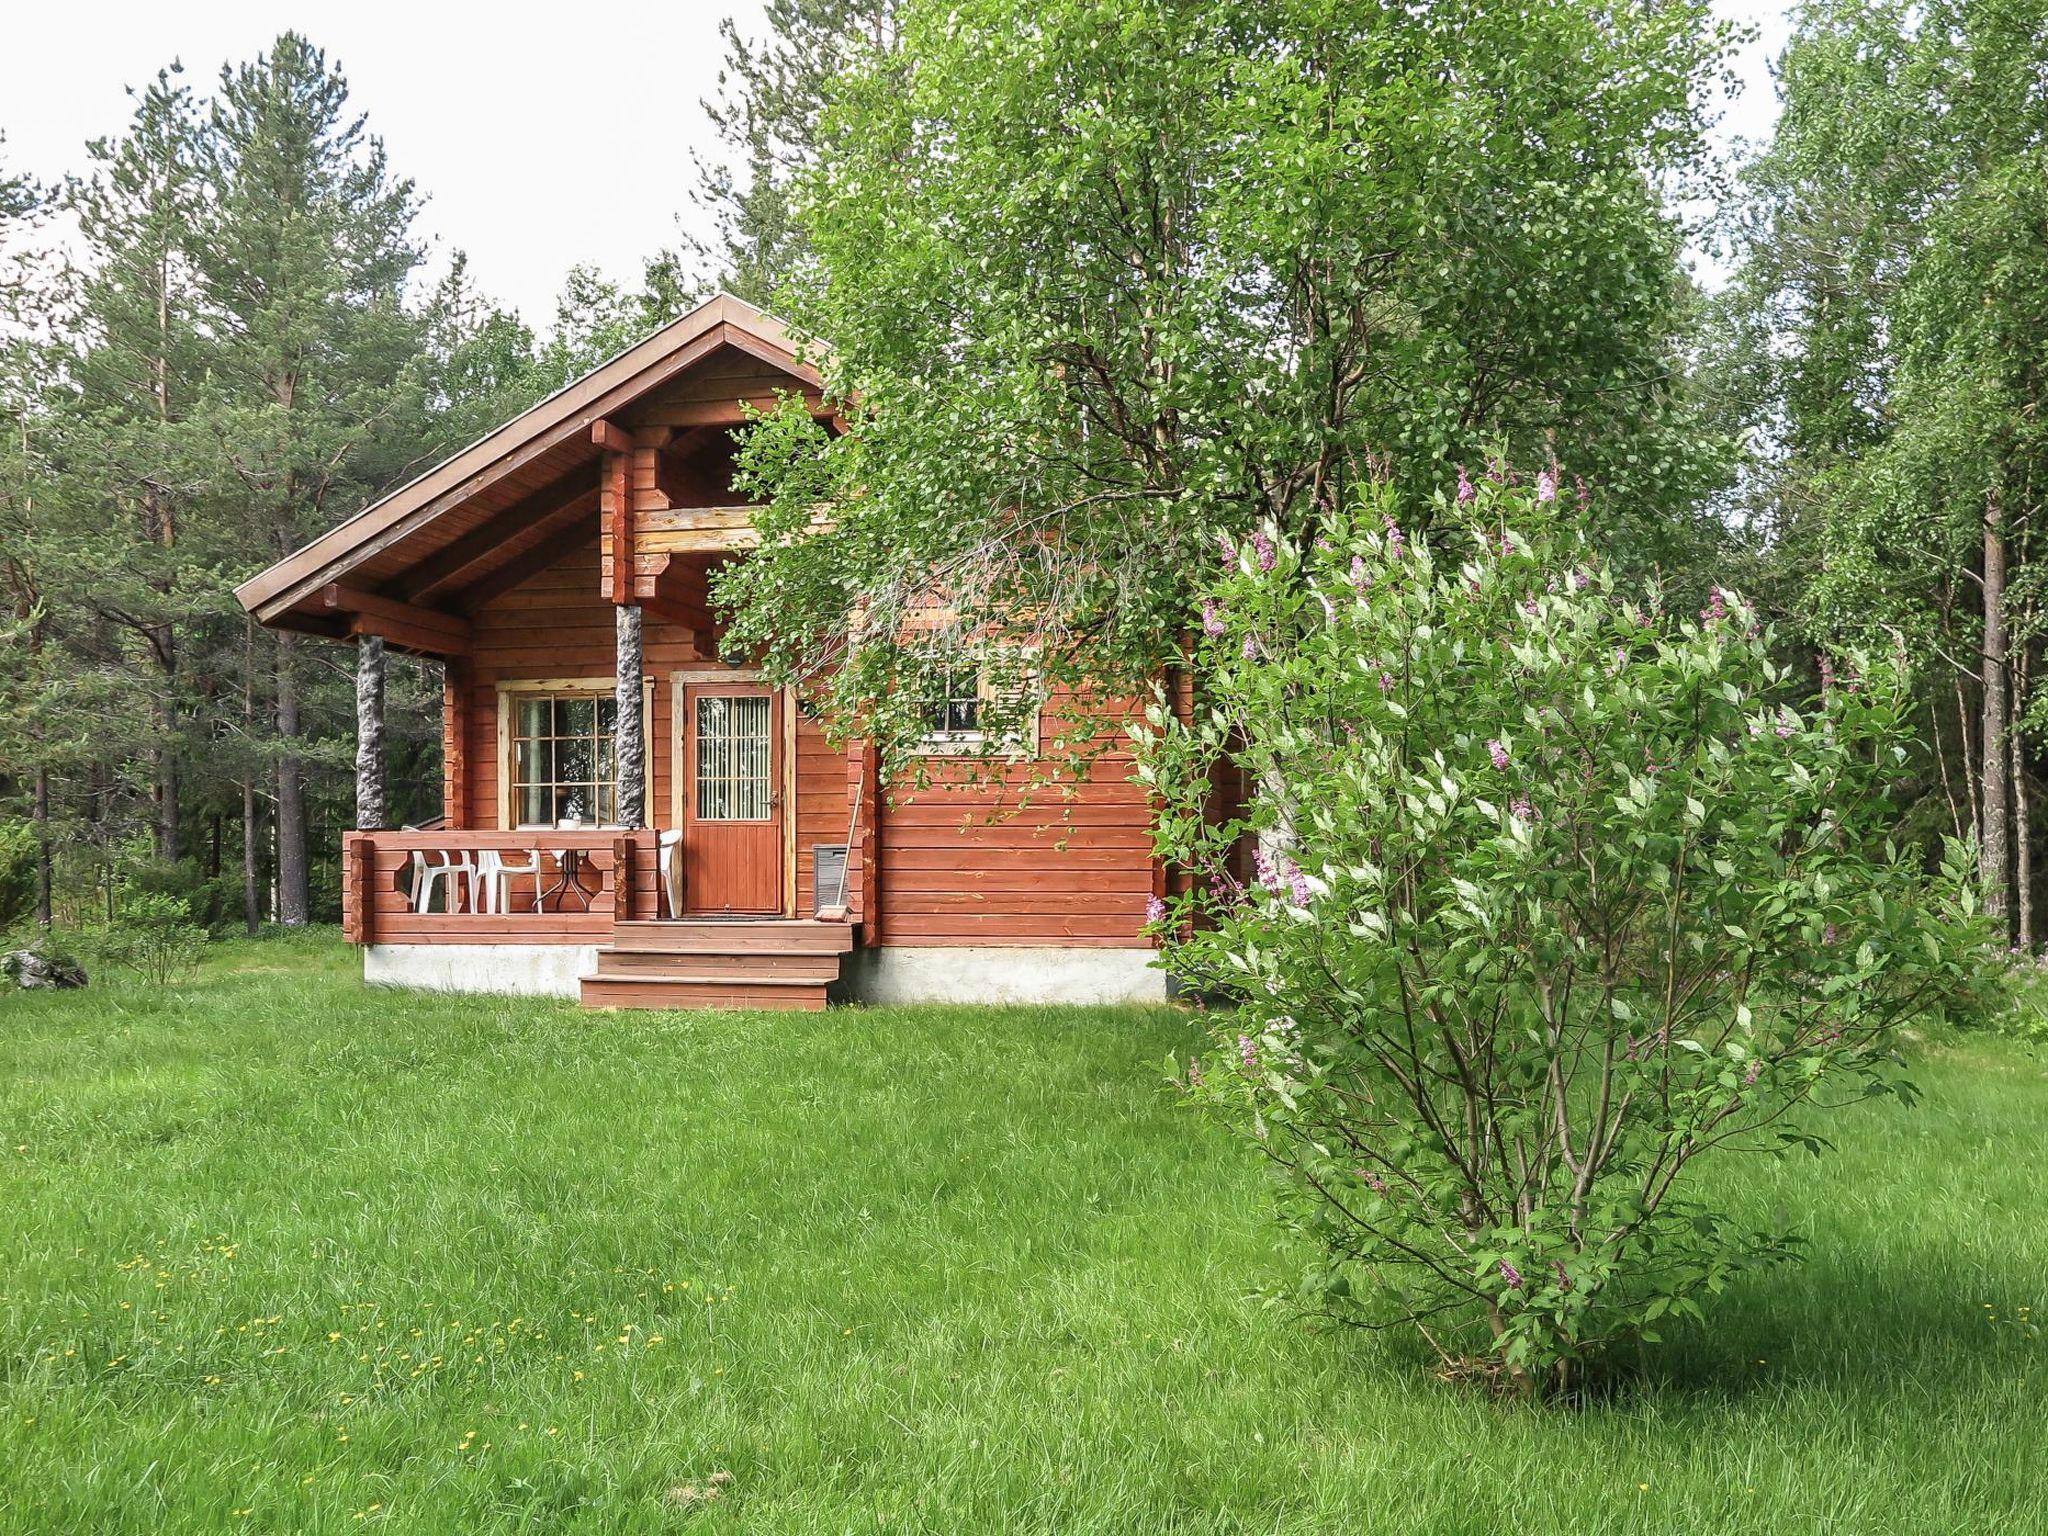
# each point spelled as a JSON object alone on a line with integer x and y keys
{"x": 671, "y": 855}
{"x": 495, "y": 876}
{"x": 443, "y": 867}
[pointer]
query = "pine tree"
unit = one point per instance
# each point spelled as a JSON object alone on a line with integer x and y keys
{"x": 304, "y": 250}
{"x": 130, "y": 478}
{"x": 766, "y": 112}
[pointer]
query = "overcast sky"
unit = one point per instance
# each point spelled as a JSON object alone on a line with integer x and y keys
{"x": 542, "y": 137}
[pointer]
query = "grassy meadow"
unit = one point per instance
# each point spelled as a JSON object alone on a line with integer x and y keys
{"x": 285, "y": 1254}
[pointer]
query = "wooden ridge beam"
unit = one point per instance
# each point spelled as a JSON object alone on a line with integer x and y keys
{"x": 610, "y": 437}
{"x": 523, "y": 567}
{"x": 736, "y": 412}
{"x": 450, "y": 567}
{"x": 408, "y": 625}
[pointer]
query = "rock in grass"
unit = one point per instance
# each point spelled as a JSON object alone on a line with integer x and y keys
{"x": 41, "y": 965}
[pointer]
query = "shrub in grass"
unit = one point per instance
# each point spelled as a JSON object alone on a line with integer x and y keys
{"x": 153, "y": 935}
{"x": 1554, "y": 893}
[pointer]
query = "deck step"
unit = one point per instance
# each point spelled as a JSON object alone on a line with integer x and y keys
{"x": 775, "y": 935}
{"x": 769, "y": 963}
{"x": 632, "y": 991}
{"x": 735, "y": 965}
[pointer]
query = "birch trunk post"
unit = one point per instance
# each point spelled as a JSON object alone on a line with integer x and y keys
{"x": 371, "y": 810}
{"x": 629, "y": 747}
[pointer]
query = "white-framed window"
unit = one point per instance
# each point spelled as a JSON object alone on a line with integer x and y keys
{"x": 556, "y": 753}
{"x": 963, "y": 701}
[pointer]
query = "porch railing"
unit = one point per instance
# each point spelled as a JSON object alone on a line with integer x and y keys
{"x": 532, "y": 887}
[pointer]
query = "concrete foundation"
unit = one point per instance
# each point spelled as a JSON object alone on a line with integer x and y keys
{"x": 523, "y": 970}
{"x": 939, "y": 974}
{"x": 1001, "y": 974}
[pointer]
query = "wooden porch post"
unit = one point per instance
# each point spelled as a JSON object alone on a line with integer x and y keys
{"x": 372, "y": 813}
{"x": 629, "y": 743}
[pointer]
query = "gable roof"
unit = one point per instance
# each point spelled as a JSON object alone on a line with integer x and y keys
{"x": 535, "y": 448}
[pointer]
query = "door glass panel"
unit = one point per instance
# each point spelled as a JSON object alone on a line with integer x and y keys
{"x": 734, "y": 750}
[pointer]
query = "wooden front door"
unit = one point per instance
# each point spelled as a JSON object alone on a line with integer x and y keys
{"x": 732, "y": 799}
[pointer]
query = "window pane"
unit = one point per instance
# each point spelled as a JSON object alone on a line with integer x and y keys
{"x": 734, "y": 758}
{"x": 607, "y": 715}
{"x": 963, "y": 714}
{"x": 574, "y": 761}
{"x": 533, "y": 763}
{"x": 575, "y": 717}
{"x": 533, "y": 717}
{"x": 536, "y": 805}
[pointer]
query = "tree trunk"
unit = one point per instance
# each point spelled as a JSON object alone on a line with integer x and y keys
{"x": 1994, "y": 857}
{"x": 371, "y": 810}
{"x": 252, "y": 890}
{"x": 2022, "y": 814}
{"x": 252, "y": 894}
{"x": 167, "y": 846}
{"x": 293, "y": 894}
{"x": 629, "y": 748}
{"x": 45, "y": 915}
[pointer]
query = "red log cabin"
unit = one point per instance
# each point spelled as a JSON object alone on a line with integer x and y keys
{"x": 558, "y": 569}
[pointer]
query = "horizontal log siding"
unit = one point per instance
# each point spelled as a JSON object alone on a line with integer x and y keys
{"x": 559, "y": 624}
{"x": 989, "y": 859}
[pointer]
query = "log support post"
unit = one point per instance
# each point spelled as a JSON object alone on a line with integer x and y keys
{"x": 372, "y": 811}
{"x": 629, "y": 744}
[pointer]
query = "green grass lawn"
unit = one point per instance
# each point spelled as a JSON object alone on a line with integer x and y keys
{"x": 282, "y": 1253}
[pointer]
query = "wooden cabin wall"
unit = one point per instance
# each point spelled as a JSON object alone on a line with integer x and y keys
{"x": 984, "y": 856}
{"x": 980, "y": 856}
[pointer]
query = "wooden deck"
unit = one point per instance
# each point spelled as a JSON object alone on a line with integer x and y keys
{"x": 598, "y": 888}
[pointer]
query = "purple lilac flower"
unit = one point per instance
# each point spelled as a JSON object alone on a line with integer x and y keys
{"x": 1756, "y": 1070}
{"x": 1297, "y": 884}
{"x": 1830, "y": 934}
{"x": 1564, "y": 1277}
{"x": 1827, "y": 674}
{"x": 1386, "y": 682}
{"x": 1373, "y": 1181}
{"x": 1262, "y": 862}
{"x": 1396, "y": 541}
{"x": 1361, "y": 583}
{"x": 1195, "y": 1078}
{"x": 1512, "y": 1275}
{"x": 1716, "y": 609}
{"x": 1585, "y": 495}
{"x": 1497, "y": 750}
{"x": 1264, "y": 548}
{"x": 1531, "y": 607}
{"x": 1212, "y": 620}
{"x": 1248, "y": 1053}
{"x": 1229, "y": 549}
{"x": 1155, "y": 911}
{"x": 1580, "y": 580}
{"x": 1322, "y": 545}
{"x": 1784, "y": 729}
{"x": 1251, "y": 648}
{"x": 1546, "y": 486}
{"x": 1465, "y": 489}
{"x": 1522, "y": 809}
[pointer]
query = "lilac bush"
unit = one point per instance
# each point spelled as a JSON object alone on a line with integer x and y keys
{"x": 1550, "y": 893}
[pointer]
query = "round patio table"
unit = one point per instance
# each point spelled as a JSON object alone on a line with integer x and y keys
{"x": 570, "y": 862}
